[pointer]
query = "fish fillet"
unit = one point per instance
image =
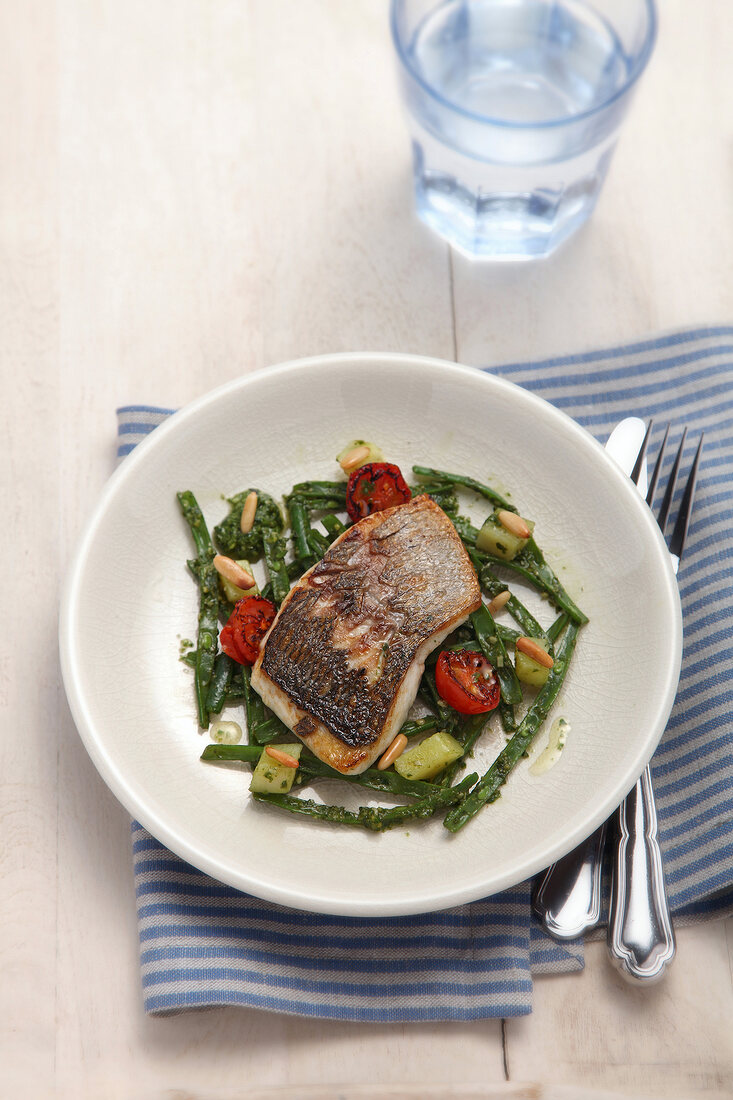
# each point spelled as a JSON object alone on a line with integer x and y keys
{"x": 342, "y": 662}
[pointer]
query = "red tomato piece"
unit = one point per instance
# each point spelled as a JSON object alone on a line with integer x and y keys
{"x": 374, "y": 487}
{"x": 245, "y": 628}
{"x": 466, "y": 681}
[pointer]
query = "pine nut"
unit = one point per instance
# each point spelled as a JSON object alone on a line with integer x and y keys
{"x": 227, "y": 567}
{"x": 513, "y": 523}
{"x": 283, "y": 758}
{"x": 534, "y": 650}
{"x": 500, "y": 600}
{"x": 396, "y": 749}
{"x": 354, "y": 458}
{"x": 248, "y": 513}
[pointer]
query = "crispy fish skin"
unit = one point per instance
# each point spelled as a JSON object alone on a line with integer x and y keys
{"x": 342, "y": 662}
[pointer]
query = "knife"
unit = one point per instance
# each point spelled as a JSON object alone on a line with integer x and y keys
{"x": 567, "y": 898}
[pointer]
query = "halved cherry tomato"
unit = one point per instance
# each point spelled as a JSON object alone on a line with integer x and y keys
{"x": 374, "y": 487}
{"x": 466, "y": 681}
{"x": 245, "y": 628}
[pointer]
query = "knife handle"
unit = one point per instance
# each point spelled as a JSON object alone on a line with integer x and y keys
{"x": 567, "y": 898}
{"x": 640, "y": 933}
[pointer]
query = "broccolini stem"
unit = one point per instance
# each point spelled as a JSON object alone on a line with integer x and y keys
{"x": 368, "y": 817}
{"x": 467, "y": 482}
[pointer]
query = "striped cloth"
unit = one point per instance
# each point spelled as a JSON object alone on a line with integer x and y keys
{"x": 203, "y": 943}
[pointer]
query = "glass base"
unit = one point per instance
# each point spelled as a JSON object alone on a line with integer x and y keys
{"x": 506, "y": 222}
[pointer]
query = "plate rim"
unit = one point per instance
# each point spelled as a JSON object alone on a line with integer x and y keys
{"x": 197, "y": 857}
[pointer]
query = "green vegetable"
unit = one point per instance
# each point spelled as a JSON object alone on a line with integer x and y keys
{"x": 272, "y": 777}
{"x": 374, "y": 453}
{"x": 208, "y": 580}
{"x": 262, "y": 725}
{"x": 467, "y": 482}
{"x": 275, "y": 549}
{"x": 316, "y": 493}
{"x": 298, "y": 514}
{"x": 231, "y": 592}
{"x": 334, "y": 526}
{"x": 495, "y": 653}
{"x": 488, "y": 787}
{"x": 249, "y": 754}
{"x": 493, "y": 538}
{"x": 220, "y": 681}
{"x": 529, "y": 671}
{"x": 368, "y": 817}
{"x": 431, "y": 756}
{"x": 228, "y": 534}
{"x": 492, "y": 586}
{"x": 311, "y": 768}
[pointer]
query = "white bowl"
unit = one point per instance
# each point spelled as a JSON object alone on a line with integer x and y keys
{"x": 129, "y": 600}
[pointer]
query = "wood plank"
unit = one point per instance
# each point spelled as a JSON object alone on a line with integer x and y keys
{"x": 207, "y": 227}
{"x": 673, "y": 1038}
{"x": 345, "y": 264}
{"x": 29, "y": 490}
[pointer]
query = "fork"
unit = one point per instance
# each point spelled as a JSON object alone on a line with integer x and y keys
{"x": 567, "y": 898}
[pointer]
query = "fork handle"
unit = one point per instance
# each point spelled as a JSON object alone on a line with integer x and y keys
{"x": 640, "y": 934}
{"x": 567, "y": 898}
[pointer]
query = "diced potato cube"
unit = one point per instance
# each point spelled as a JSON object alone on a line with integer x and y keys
{"x": 528, "y": 670}
{"x": 425, "y": 760}
{"x": 231, "y": 591}
{"x": 494, "y": 539}
{"x": 271, "y": 777}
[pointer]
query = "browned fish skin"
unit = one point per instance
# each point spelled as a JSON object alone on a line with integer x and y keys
{"x": 351, "y": 628}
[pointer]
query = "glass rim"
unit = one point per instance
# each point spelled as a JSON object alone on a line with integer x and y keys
{"x": 639, "y": 66}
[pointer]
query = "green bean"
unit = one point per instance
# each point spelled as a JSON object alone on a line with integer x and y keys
{"x": 220, "y": 681}
{"x": 318, "y": 543}
{"x": 197, "y": 524}
{"x": 368, "y": 817}
{"x": 262, "y": 726}
{"x": 300, "y": 526}
{"x": 530, "y": 565}
{"x": 448, "y": 717}
{"x": 492, "y": 586}
{"x": 333, "y": 491}
{"x": 472, "y": 730}
{"x": 555, "y": 629}
{"x": 334, "y": 526}
{"x": 208, "y": 625}
{"x": 508, "y": 718}
{"x": 310, "y": 767}
{"x": 488, "y": 787}
{"x": 250, "y": 754}
{"x": 467, "y": 482}
{"x": 275, "y": 548}
{"x": 420, "y": 725}
{"x": 494, "y": 650}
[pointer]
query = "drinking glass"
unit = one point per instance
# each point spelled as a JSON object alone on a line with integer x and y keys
{"x": 514, "y": 109}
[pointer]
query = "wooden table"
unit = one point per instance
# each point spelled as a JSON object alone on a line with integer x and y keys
{"x": 190, "y": 190}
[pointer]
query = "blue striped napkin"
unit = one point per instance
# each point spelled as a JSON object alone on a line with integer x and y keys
{"x": 203, "y": 943}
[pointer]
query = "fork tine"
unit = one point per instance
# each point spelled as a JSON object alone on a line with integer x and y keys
{"x": 671, "y": 485}
{"x": 679, "y": 535}
{"x": 636, "y": 472}
{"x": 657, "y": 470}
